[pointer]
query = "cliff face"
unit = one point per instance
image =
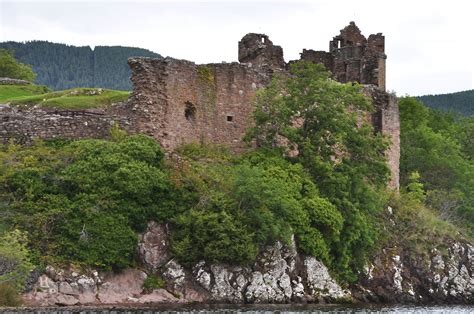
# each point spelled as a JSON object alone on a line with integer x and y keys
{"x": 280, "y": 275}
{"x": 396, "y": 276}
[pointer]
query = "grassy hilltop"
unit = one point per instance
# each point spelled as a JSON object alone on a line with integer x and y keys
{"x": 76, "y": 98}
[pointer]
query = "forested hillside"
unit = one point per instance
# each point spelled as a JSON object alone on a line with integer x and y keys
{"x": 437, "y": 151}
{"x": 60, "y": 66}
{"x": 460, "y": 102}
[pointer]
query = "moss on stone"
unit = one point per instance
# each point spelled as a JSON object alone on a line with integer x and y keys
{"x": 205, "y": 73}
{"x": 206, "y": 79}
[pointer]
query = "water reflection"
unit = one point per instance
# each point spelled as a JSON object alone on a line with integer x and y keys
{"x": 251, "y": 309}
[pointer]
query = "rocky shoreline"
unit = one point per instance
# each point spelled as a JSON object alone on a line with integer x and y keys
{"x": 280, "y": 276}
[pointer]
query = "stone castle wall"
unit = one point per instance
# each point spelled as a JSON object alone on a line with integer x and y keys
{"x": 24, "y": 126}
{"x": 185, "y": 102}
{"x": 353, "y": 58}
{"x": 178, "y": 101}
{"x": 386, "y": 119}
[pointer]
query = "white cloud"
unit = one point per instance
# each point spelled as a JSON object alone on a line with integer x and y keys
{"x": 429, "y": 43}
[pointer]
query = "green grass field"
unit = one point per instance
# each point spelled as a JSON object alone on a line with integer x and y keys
{"x": 12, "y": 91}
{"x": 76, "y": 98}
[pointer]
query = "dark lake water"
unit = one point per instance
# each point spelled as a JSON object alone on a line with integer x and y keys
{"x": 257, "y": 309}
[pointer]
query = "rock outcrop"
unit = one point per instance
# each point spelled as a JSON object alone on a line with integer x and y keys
{"x": 279, "y": 275}
{"x": 67, "y": 288}
{"x": 153, "y": 246}
{"x": 397, "y": 276}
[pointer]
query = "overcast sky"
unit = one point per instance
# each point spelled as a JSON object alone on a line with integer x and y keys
{"x": 429, "y": 44}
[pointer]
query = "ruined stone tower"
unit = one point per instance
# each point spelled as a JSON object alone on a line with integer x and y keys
{"x": 353, "y": 58}
{"x": 258, "y": 50}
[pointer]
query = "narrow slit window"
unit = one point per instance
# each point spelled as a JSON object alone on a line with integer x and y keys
{"x": 230, "y": 118}
{"x": 190, "y": 112}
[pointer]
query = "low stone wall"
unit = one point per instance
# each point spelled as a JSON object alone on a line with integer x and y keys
{"x": 10, "y": 81}
{"x": 24, "y": 126}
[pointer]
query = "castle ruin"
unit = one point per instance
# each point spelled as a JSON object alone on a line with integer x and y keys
{"x": 178, "y": 101}
{"x": 181, "y": 102}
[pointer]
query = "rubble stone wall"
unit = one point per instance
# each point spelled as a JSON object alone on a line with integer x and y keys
{"x": 187, "y": 103}
{"x": 24, "y": 126}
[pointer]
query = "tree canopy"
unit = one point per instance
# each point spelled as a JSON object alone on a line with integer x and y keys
{"x": 439, "y": 147}
{"x": 9, "y": 67}
{"x": 323, "y": 121}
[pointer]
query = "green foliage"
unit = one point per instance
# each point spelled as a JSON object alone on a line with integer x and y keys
{"x": 153, "y": 282}
{"x": 62, "y": 67}
{"x": 229, "y": 222}
{"x": 418, "y": 228}
{"x": 439, "y": 147}
{"x": 205, "y": 74}
{"x": 77, "y": 98}
{"x": 324, "y": 122}
{"x": 96, "y": 239}
{"x": 84, "y": 201}
{"x": 460, "y": 102}
{"x": 9, "y": 296}
{"x": 14, "y": 261}
{"x": 212, "y": 236}
{"x": 415, "y": 188}
{"x": 9, "y": 67}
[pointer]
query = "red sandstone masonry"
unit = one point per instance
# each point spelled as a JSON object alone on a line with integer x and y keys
{"x": 195, "y": 103}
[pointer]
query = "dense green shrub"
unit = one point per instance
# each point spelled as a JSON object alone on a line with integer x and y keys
{"x": 247, "y": 203}
{"x": 153, "y": 282}
{"x": 15, "y": 264}
{"x": 84, "y": 201}
{"x": 9, "y": 296}
{"x": 9, "y": 67}
{"x": 324, "y": 122}
{"x": 212, "y": 236}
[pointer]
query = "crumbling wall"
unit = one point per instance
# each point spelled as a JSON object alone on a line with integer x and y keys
{"x": 259, "y": 50}
{"x": 352, "y": 57}
{"x": 386, "y": 120}
{"x": 323, "y": 57}
{"x": 183, "y": 102}
{"x": 24, "y": 126}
